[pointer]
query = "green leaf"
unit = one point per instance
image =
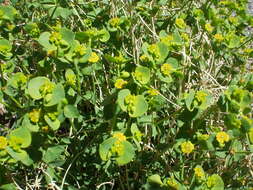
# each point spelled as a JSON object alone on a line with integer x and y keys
{"x": 58, "y": 94}
{"x": 188, "y": 100}
{"x": 104, "y": 35}
{"x": 34, "y": 86}
{"x": 234, "y": 41}
{"x": 71, "y": 111}
{"x": 216, "y": 182}
{"x": 53, "y": 153}
{"x": 128, "y": 153}
{"x": 140, "y": 105}
{"x": 155, "y": 179}
{"x": 104, "y": 148}
{"x": 164, "y": 51}
{"x": 9, "y": 12}
{"x": 67, "y": 35}
{"x": 53, "y": 124}
{"x": 60, "y": 12}
{"x": 44, "y": 41}
{"x": 27, "y": 123}
{"x": 24, "y": 134}
{"x": 10, "y": 186}
{"x": 142, "y": 74}
{"x": 20, "y": 156}
{"x": 121, "y": 98}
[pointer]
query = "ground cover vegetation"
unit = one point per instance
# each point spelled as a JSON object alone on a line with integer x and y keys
{"x": 126, "y": 94}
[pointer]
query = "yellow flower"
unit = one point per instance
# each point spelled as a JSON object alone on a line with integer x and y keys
{"x": 167, "y": 69}
{"x": 114, "y": 22}
{"x": 15, "y": 142}
{"x": 187, "y": 147}
{"x": 199, "y": 172}
{"x": 154, "y": 50}
{"x": 201, "y": 96}
{"x": 119, "y": 136}
{"x": 119, "y": 83}
{"x": 185, "y": 36}
{"x": 80, "y": 50}
{"x": 222, "y": 137}
{"x": 153, "y": 92}
{"x": 144, "y": 58}
{"x": 93, "y": 58}
{"x": 118, "y": 148}
{"x": 129, "y": 99}
{"x": 218, "y": 37}
{"x": 3, "y": 142}
{"x": 55, "y": 38}
{"x": 171, "y": 182}
{"x": 34, "y": 115}
{"x": 168, "y": 40}
{"x": 208, "y": 27}
{"x": 180, "y": 23}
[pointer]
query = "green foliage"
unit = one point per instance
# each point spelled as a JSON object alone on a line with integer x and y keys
{"x": 153, "y": 95}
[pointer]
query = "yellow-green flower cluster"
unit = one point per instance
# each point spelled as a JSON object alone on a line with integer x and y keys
{"x": 167, "y": 69}
{"x": 199, "y": 172}
{"x": 3, "y": 142}
{"x": 114, "y": 22}
{"x": 187, "y": 147}
{"x": 118, "y": 147}
{"x": 55, "y": 38}
{"x": 208, "y": 27}
{"x": 154, "y": 50}
{"x": 201, "y": 96}
{"x": 222, "y": 137}
{"x": 94, "y": 58}
{"x": 130, "y": 102}
{"x": 172, "y": 183}
{"x": 80, "y": 50}
{"x": 34, "y": 115}
{"x": 119, "y": 83}
{"x": 153, "y": 92}
{"x": 180, "y": 23}
{"x": 218, "y": 37}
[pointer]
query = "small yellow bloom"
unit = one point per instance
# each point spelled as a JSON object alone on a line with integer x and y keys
{"x": 153, "y": 92}
{"x": 93, "y": 58}
{"x": 129, "y": 99}
{"x": 118, "y": 148}
{"x": 144, "y": 58}
{"x": 222, "y": 137}
{"x": 45, "y": 128}
{"x": 119, "y": 83}
{"x": 154, "y": 50}
{"x": 167, "y": 69}
{"x": 187, "y": 147}
{"x": 15, "y": 142}
{"x": 199, "y": 172}
{"x": 3, "y": 142}
{"x": 168, "y": 40}
{"x": 171, "y": 182}
{"x": 34, "y": 115}
{"x": 180, "y": 23}
{"x": 114, "y": 22}
{"x": 208, "y": 27}
{"x": 201, "y": 96}
{"x": 218, "y": 37}
{"x": 185, "y": 36}
{"x": 119, "y": 136}
{"x": 80, "y": 50}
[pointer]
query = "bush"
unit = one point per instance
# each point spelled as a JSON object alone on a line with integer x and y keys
{"x": 126, "y": 94}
